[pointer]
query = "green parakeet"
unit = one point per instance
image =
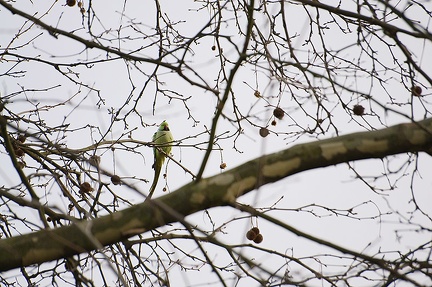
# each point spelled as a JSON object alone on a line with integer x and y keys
{"x": 162, "y": 140}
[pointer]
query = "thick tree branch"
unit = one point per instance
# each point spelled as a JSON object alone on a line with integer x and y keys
{"x": 219, "y": 190}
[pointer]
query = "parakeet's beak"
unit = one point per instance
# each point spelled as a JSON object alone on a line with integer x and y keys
{"x": 166, "y": 128}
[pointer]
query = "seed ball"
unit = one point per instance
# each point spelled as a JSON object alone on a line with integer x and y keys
{"x": 70, "y": 3}
{"x": 95, "y": 160}
{"x": 115, "y": 179}
{"x": 358, "y": 110}
{"x": 49, "y": 219}
{"x": 213, "y": 47}
{"x": 278, "y": 113}
{"x": 258, "y": 239}
{"x": 22, "y": 138}
{"x": 273, "y": 123}
{"x": 223, "y": 165}
{"x": 416, "y": 91}
{"x": 19, "y": 152}
{"x": 257, "y": 94}
{"x": 264, "y": 132}
{"x": 256, "y": 230}
{"x": 251, "y": 235}
{"x": 70, "y": 206}
{"x": 85, "y": 187}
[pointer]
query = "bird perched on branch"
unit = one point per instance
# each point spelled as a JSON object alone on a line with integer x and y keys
{"x": 162, "y": 140}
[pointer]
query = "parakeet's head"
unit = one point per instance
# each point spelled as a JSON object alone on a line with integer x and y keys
{"x": 164, "y": 126}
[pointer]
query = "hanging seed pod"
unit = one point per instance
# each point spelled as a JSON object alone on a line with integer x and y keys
{"x": 358, "y": 110}
{"x": 416, "y": 91}
{"x": 85, "y": 187}
{"x": 251, "y": 235}
{"x": 256, "y": 230}
{"x": 264, "y": 132}
{"x": 19, "y": 152}
{"x": 115, "y": 179}
{"x": 95, "y": 160}
{"x": 259, "y": 238}
{"x": 278, "y": 113}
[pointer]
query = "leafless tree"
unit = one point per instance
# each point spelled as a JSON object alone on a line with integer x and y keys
{"x": 317, "y": 83}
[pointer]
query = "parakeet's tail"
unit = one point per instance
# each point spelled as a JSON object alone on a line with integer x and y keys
{"x": 154, "y": 184}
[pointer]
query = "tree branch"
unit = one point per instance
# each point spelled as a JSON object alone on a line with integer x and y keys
{"x": 219, "y": 190}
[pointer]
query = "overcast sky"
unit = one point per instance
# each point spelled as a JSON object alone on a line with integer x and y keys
{"x": 116, "y": 80}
